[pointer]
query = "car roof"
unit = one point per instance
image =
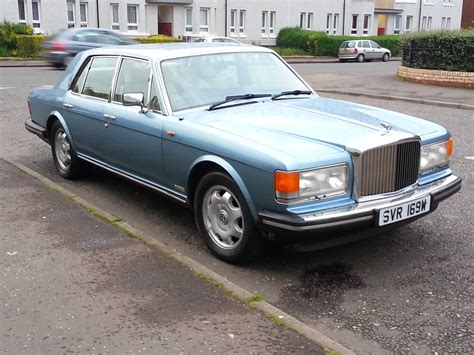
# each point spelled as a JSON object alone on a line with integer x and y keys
{"x": 176, "y": 50}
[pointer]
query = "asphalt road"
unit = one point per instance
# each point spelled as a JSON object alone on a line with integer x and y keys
{"x": 406, "y": 291}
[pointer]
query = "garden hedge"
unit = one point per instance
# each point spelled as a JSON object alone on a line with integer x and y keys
{"x": 157, "y": 39}
{"x": 29, "y": 46}
{"x": 319, "y": 43}
{"x": 441, "y": 50}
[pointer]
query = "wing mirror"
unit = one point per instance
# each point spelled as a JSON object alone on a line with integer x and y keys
{"x": 135, "y": 99}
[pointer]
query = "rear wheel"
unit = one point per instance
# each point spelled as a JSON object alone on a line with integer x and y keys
{"x": 386, "y": 57}
{"x": 67, "y": 163}
{"x": 360, "y": 58}
{"x": 224, "y": 220}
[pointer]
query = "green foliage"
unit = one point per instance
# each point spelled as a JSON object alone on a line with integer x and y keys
{"x": 440, "y": 50}
{"x": 8, "y": 32}
{"x": 157, "y": 39}
{"x": 28, "y": 46}
{"x": 289, "y": 51}
{"x": 318, "y": 43}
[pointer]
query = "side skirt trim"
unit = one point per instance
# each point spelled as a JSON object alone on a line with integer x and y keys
{"x": 163, "y": 190}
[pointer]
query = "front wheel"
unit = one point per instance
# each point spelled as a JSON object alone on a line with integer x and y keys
{"x": 224, "y": 220}
{"x": 65, "y": 159}
{"x": 386, "y": 57}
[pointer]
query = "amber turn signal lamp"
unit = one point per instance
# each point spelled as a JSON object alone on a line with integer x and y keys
{"x": 287, "y": 182}
{"x": 450, "y": 146}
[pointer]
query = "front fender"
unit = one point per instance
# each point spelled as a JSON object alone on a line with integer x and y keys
{"x": 226, "y": 166}
{"x": 55, "y": 115}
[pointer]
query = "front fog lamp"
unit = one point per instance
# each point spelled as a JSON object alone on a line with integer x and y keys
{"x": 317, "y": 183}
{"x": 435, "y": 155}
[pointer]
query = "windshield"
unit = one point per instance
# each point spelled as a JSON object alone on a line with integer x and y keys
{"x": 208, "y": 79}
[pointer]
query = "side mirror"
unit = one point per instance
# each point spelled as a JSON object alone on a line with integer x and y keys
{"x": 133, "y": 99}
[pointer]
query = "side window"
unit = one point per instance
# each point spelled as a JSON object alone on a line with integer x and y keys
{"x": 366, "y": 44}
{"x": 154, "y": 103}
{"x": 99, "y": 79}
{"x": 80, "y": 78}
{"x": 374, "y": 45}
{"x": 359, "y": 44}
{"x": 134, "y": 77}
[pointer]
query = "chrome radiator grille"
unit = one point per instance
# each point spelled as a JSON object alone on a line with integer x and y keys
{"x": 389, "y": 168}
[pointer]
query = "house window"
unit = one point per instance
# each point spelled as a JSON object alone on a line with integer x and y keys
{"x": 335, "y": 24}
{"x": 448, "y": 23}
{"x": 115, "y": 16}
{"x": 423, "y": 23}
{"x": 398, "y": 25}
{"x": 132, "y": 17}
{"x": 302, "y": 19}
{"x": 408, "y": 24}
{"x": 272, "y": 22}
{"x": 328, "y": 23}
{"x": 188, "y": 19}
{"x": 429, "y": 23}
{"x": 366, "y": 28}
{"x": 71, "y": 18}
{"x": 443, "y": 23}
{"x": 264, "y": 23}
{"x": 310, "y": 20}
{"x": 21, "y": 11}
{"x": 83, "y": 13}
{"x": 35, "y": 7}
{"x": 204, "y": 19}
{"x": 354, "y": 24}
{"x": 233, "y": 20}
{"x": 242, "y": 21}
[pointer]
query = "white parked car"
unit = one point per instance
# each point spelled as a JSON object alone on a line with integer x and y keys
{"x": 362, "y": 50}
{"x": 214, "y": 39}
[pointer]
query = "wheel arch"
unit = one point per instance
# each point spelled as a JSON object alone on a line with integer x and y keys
{"x": 56, "y": 116}
{"x": 208, "y": 163}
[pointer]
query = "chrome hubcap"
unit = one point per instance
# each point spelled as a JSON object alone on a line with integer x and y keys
{"x": 222, "y": 217}
{"x": 62, "y": 149}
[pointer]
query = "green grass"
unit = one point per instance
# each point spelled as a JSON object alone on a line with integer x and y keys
{"x": 331, "y": 352}
{"x": 253, "y": 298}
{"x": 289, "y": 51}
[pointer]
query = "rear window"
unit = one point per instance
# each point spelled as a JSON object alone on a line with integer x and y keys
{"x": 348, "y": 44}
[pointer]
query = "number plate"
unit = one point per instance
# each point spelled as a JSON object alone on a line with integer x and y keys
{"x": 404, "y": 211}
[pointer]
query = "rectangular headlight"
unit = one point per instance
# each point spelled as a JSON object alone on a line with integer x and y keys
{"x": 435, "y": 155}
{"x": 311, "y": 184}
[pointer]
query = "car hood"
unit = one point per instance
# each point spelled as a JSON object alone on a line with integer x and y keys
{"x": 308, "y": 126}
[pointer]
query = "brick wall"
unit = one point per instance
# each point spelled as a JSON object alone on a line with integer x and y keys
{"x": 437, "y": 77}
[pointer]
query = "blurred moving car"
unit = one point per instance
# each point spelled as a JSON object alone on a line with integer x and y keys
{"x": 61, "y": 48}
{"x": 214, "y": 39}
{"x": 362, "y": 50}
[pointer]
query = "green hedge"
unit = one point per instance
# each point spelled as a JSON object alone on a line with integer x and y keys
{"x": 8, "y": 35}
{"x": 157, "y": 39}
{"x": 318, "y": 43}
{"x": 441, "y": 50}
{"x": 29, "y": 46}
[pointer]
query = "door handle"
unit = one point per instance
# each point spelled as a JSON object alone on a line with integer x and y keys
{"x": 108, "y": 115}
{"x": 68, "y": 105}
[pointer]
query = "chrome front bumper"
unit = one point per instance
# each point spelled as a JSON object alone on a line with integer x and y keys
{"x": 360, "y": 214}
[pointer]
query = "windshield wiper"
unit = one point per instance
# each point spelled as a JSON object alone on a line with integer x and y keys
{"x": 238, "y": 97}
{"x": 293, "y": 92}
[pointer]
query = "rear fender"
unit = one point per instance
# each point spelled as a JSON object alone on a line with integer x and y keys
{"x": 55, "y": 115}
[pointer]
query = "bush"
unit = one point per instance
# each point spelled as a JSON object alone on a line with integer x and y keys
{"x": 295, "y": 37}
{"x": 8, "y": 32}
{"x": 318, "y": 43}
{"x": 157, "y": 39}
{"x": 441, "y": 50}
{"x": 29, "y": 46}
{"x": 289, "y": 51}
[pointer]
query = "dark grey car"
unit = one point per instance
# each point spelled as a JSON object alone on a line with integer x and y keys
{"x": 61, "y": 48}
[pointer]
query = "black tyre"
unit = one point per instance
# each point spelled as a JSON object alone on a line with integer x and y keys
{"x": 224, "y": 220}
{"x": 360, "y": 58}
{"x": 386, "y": 57}
{"x": 67, "y": 163}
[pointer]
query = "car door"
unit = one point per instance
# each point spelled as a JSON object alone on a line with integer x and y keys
{"x": 377, "y": 50}
{"x": 367, "y": 50}
{"x": 134, "y": 134}
{"x": 84, "y": 103}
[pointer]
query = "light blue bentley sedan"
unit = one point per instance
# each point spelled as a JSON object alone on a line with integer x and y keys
{"x": 235, "y": 134}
